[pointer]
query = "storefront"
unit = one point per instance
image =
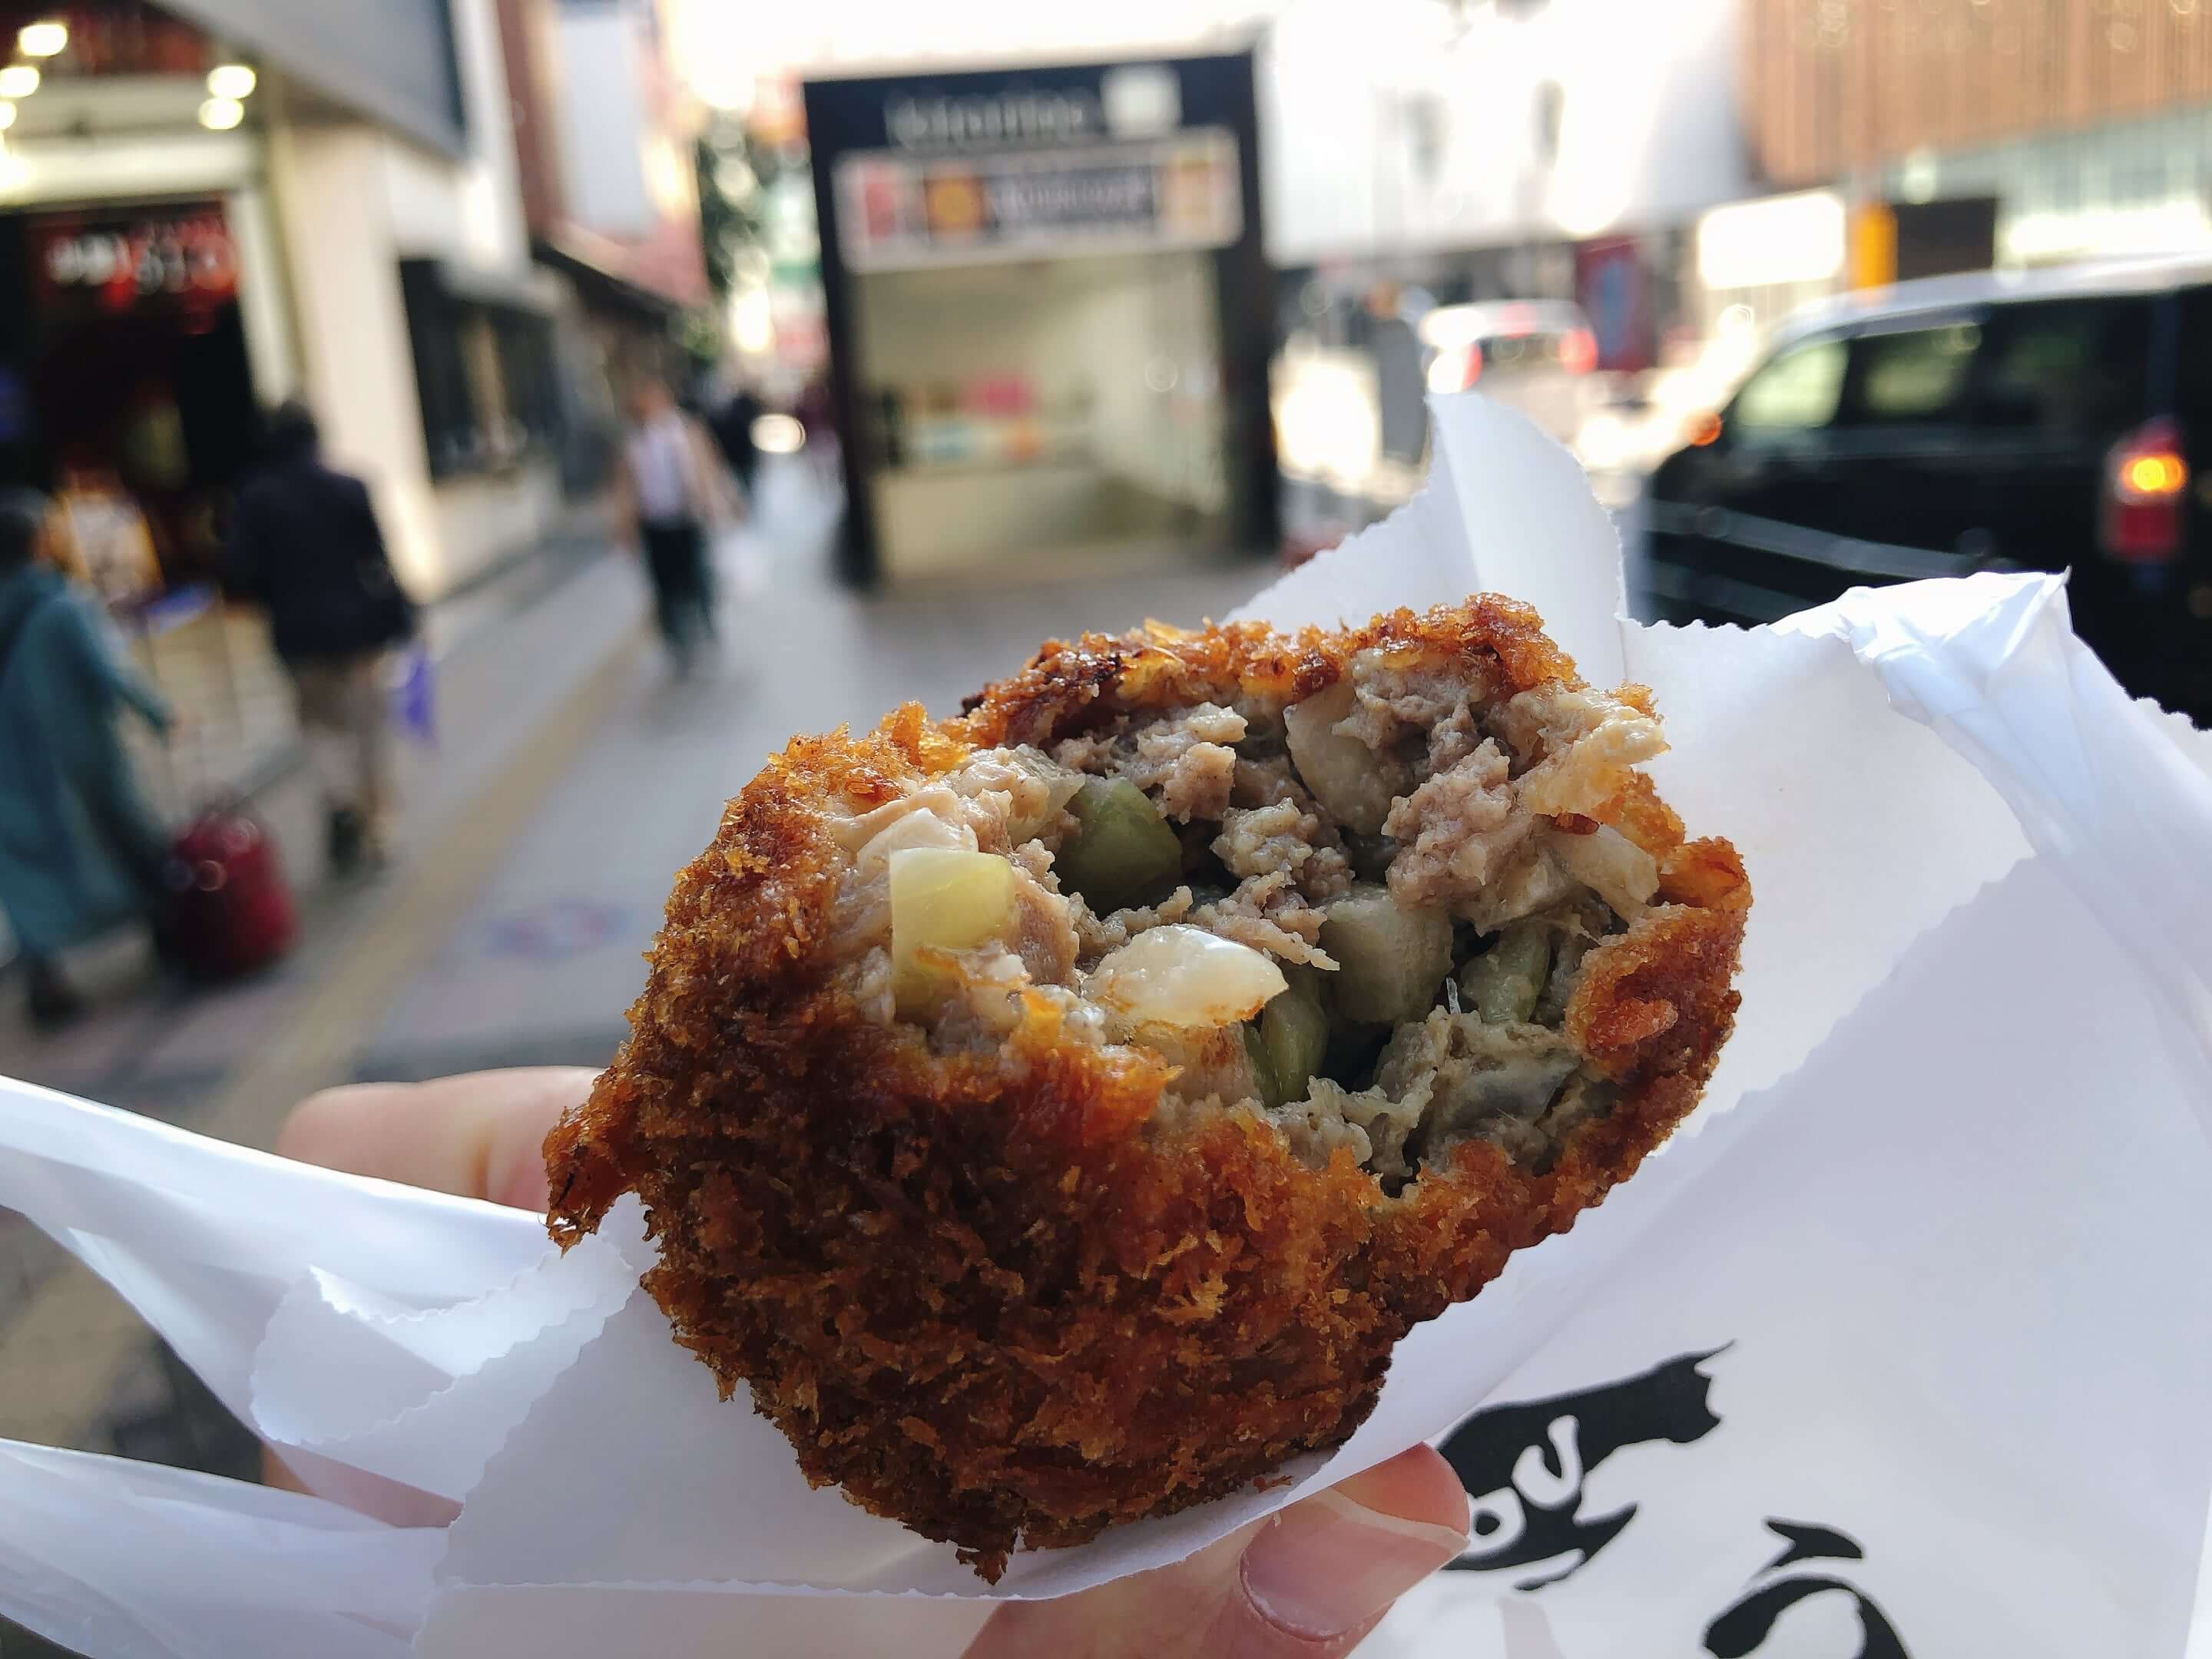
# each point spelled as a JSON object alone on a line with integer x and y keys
{"x": 1050, "y": 316}
{"x": 125, "y": 377}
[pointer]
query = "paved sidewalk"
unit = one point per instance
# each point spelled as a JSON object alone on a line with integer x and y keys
{"x": 75, "y": 1366}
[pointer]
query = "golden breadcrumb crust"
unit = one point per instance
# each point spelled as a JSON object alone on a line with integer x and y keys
{"x": 986, "y": 1294}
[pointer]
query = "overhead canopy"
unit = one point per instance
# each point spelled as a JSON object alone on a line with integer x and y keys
{"x": 390, "y": 60}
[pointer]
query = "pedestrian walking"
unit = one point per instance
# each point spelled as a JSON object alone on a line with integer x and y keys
{"x": 673, "y": 490}
{"x": 306, "y": 545}
{"x": 81, "y": 852}
{"x": 732, "y": 425}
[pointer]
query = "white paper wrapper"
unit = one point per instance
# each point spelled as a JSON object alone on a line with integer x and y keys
{"x": 1956, "y": 826}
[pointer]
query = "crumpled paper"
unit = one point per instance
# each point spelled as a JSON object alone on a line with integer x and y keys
{"x": 1879, "y": 764}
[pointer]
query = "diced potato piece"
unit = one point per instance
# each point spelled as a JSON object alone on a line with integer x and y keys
{"x": 1353, "y": 784}
{"x": 1389, "y": 960}
{"x": 1503, "y": 984}
{"x": 1123, "y": 852}
{"x": 944, "y": 898}
{"x": 1610, "y": 866}
{"x": 1184, "y": 976}
{"x": 1293, "y": 1033}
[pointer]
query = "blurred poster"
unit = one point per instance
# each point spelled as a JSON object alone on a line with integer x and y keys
{"x": 1616, "y": 293}
{"x": 172, "y": 258}
{"x": 897, "y": 211}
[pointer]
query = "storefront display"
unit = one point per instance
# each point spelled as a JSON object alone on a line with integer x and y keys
{"x": 1047, "y": 311}
{"x": 137, "y": 407}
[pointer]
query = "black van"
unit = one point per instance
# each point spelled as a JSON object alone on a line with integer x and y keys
{"x": 2042, "y": 420}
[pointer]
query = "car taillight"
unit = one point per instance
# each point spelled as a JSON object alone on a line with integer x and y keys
{"x": 1577, "y": 351}
{"x": 2146, "y": 485}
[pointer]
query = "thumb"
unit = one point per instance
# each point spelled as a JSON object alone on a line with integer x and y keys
{"x": 1319, "y": 1575}
{"x": 1306, "y": 1583}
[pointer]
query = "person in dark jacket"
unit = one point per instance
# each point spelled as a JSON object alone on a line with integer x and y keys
{"x": 731, "y": 424}
{"x": 306, "y": 545}
{"x": 81, "y": 851}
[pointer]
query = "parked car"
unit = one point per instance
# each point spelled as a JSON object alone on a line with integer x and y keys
{"x": 2046, "y": 420}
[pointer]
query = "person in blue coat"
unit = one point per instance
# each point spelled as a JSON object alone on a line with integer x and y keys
{"x": 81, "y": 850}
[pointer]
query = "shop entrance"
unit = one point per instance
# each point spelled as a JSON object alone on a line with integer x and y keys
{"x": 125, "y": 384}
{"x": 1069, "y": 410}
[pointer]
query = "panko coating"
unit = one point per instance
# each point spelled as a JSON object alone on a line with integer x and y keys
{"x": 1054, "y": 1114}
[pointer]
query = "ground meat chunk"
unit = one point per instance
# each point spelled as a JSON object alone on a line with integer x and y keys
{"x": 1454, "y": 737}
{"x": 1395, "y": 708}
{"x": 1184, "y": 760}
{"x": 1269, "y": 914}
{"x": 1582, "y": 744}
{"x": 1044, "y": 931}
{"x": 1289, "y": 838}
{"x": 1457, "y": 832}
{"x": 1013, "y": 796}
{"x": 1096, "y": 934}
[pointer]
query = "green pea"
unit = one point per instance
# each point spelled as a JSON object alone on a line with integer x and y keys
{"x": 1123, "y": 852}
{"x": 1504, "y": 983}
{"x": 1263, "y": 1067}
{"x": 1295, "y": 1032}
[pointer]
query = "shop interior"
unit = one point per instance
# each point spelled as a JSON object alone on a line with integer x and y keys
{"x": 1071, "y": 405}
{"x": 124, "y": 392}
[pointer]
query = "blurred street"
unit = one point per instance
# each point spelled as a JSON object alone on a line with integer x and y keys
{"x": 539, "y": 844}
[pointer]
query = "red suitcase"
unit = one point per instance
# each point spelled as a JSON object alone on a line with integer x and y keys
{"x": 230, "y": 911}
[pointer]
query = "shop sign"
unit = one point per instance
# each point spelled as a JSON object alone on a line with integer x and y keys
{"x": 993, "y": 120}
{"x": 168, "y": 258}
{"x": 897, "y": 211}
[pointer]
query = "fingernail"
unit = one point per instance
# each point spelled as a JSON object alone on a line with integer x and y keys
{"x": 1328, "y": 1565}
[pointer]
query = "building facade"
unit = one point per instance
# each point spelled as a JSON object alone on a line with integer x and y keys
{"x": 210, "y": 206}
{"x": 605, "y": 132}
{"x": 2081, "y": 124}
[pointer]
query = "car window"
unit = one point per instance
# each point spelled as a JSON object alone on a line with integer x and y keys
{"x": 1915, "y": 375}
{"x": 2066, "y": 366}
{"x": 1795, "y": 391}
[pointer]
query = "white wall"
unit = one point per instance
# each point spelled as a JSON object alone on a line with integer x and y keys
{"x": 336, "y": 224}
{"x": 1648, "y": 132}
{"x": 353, "y": 200}
{"x": 603, "y": 120}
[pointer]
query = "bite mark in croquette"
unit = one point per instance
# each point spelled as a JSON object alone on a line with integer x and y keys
{"x": 1054, "y": 1114}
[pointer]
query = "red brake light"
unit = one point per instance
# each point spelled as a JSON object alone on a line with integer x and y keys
{"x": 1703, "y": 429}
{"x": 2146, "y": 480}
{"x": 1473, "y": 365}
{"x": 1577, "y": 351}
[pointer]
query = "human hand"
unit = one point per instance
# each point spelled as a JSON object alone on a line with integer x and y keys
{"x": 1307, "y": 1583}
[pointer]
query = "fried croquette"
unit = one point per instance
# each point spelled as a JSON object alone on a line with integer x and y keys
{"x": 1054, "y": 1114}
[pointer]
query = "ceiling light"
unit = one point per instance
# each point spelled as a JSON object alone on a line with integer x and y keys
{"x": 222, "y": 114}
{"x": 232, "y": 81}
{"x": 42, "y": 40}
{"x": 18, "y": 81}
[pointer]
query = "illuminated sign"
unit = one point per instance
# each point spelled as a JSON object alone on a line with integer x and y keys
{"x": 897, "y": 211}
{"x": 176, "y": 258}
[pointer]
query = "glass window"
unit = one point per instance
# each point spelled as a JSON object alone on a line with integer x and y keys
{"x": 2067, "y": 366}
{"x": 2193, "y": 380}
{"x": 1795, "y": 391}
{"x": 1917, "y": 375}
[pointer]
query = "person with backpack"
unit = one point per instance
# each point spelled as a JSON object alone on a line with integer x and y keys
{"x": 81, "y": 852}
{"x": 305, "y": 544}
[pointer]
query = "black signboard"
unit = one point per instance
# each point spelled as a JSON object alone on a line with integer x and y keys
{"x": 951, "y": 168}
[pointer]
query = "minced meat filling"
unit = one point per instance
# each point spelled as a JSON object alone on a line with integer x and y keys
{"x": 1402, "y": 868}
